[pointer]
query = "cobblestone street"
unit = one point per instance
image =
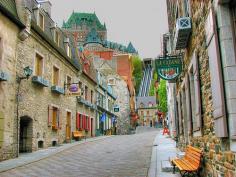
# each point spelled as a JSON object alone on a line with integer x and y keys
{"x": 127, "y": 155}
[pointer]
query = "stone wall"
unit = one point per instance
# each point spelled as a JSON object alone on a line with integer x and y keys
{"x": 218, "y": 160}
{"x": 123, "y": 118}
{"x": 8, "y": 40}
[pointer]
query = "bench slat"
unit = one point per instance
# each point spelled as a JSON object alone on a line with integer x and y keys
{"x": 191, "y": 161}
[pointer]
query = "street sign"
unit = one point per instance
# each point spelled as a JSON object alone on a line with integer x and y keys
{"x": 116, "y": 109}
{"x": 169, "y": 67}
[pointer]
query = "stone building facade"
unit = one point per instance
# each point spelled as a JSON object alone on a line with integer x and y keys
{"x": 147, "y": 111}
{"x": 205, "y": 114}
{"x": 40, "y": 111}
{"x": 9, "y": 31}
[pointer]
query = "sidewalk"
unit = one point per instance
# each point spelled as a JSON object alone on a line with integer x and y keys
{"x": 163, "y": 149}
{"x": 27, "y": 158}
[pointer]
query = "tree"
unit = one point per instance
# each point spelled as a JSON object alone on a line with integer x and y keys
{"x": 162, "y": 94}
{"x": 138, "y": 72}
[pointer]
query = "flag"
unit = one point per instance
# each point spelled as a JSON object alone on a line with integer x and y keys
{"x": 113, "y": 119}
{"x": 103, "y": 117}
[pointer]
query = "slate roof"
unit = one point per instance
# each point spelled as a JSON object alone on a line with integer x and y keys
{"x": 8, "y": 7}
{"x": 89, "y": 19}
{"x": 48, "y": 35}
{"x": 93, "y": 37}
{"x": 145, "y": 101}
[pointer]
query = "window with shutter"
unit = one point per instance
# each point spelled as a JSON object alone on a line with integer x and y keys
{"x": 55, "y": 76}
{"x": 89, "y": 122}
{"x": 188, "y": 105}
{"x": 50, "y": 115}
{"x": 78, "y": 121}
{"x": 60, "y": 118}
{"x": 180, "y": 114}
{"x": 56, "y": 118}
{"x": 218, "y": 97}
{"x": 198, "y": 115}
{"x": 38, "y": 65}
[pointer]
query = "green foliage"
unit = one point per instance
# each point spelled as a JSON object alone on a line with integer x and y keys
{"x": 152, "y": 87}
{"x": 162, "y": 94}
{"x": 138, "y": 72}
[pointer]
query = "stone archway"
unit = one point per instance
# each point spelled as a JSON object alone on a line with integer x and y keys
{"x": 26, "y": 134}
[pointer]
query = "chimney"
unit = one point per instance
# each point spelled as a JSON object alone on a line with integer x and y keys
{"x": 46, "y": 6}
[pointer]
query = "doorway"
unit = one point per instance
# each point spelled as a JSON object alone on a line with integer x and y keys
{"x": 91, "y": 127}
{"x": 68, "y": 126}
{"x": 26, "y": 132}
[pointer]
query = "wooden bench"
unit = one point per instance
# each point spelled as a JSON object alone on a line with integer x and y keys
{"x": 78, "y": 134}
{"x": 190, "y": 163}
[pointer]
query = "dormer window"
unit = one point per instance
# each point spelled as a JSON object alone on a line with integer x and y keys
{"x": 69, "y": 51}
{"x": 57, "y": 38}
{"x": 41, "y": 21}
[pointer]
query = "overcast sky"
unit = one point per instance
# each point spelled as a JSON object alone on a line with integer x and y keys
{"x": 140, "y": 21}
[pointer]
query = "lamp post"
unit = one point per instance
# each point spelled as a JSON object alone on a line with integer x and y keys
{"x": 27, "y": 72}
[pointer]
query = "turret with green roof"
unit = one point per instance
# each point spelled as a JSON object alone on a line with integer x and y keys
{"x": 88, "y": 19}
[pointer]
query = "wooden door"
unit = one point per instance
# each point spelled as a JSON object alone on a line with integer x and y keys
{"x": 68, "y": 126}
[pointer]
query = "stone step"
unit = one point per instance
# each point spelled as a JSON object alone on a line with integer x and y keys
{"x": 167, "y": 167}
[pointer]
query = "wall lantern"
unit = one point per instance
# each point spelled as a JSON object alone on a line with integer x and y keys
{"x": 27, "y": 72}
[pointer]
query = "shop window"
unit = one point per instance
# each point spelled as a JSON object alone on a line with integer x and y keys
{"x": 38, "y": 68}
{"x": 55, "y": 76}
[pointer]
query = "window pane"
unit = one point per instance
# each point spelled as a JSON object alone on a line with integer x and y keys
{"x": 41, "y": 21}
{"x": 55, "y": 76}
{"x": 38, "y": 65}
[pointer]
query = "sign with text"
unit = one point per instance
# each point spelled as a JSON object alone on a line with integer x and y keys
{"x": 169, "y": 67}
{"x": 73, "y": 89}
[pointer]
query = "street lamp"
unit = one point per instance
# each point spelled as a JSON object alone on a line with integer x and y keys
{"x": 27, "y": 72}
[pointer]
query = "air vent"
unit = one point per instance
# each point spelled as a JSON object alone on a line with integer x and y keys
{"x": 183, "y": 31}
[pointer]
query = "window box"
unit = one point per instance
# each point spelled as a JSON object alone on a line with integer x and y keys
{"x": 57, "y": 89}
{"x": 4, "y": 76}
{"x": 40, "y": 81}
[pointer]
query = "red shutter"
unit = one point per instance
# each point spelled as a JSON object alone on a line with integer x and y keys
{"x": 50, "y": 114}
{"x": 218, "y": 97}
{"x": 197, "y": 94}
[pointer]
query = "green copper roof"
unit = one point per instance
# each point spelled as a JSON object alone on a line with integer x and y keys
{"x": 93, "y": 37}
{"x": 89, "y": 19}
{"x": 131, "y": 48}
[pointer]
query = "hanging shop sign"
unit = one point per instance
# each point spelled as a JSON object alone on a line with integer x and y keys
{"x": 73, "y": 89}
{"x": 169, "y": 67}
